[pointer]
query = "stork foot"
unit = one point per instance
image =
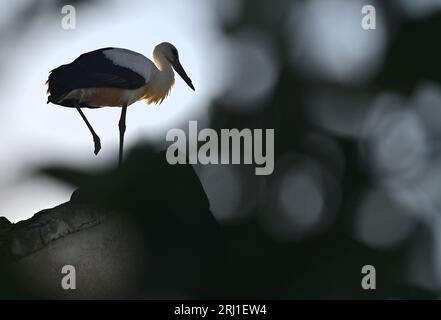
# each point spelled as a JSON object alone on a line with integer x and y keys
{"x": 97, "y": 142}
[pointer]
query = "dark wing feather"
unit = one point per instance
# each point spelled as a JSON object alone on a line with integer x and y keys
{"x": 91, "y": 70}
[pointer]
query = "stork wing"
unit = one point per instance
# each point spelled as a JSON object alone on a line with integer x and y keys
{"x": 102, "y": 68}
{"x": 113, "y": 68}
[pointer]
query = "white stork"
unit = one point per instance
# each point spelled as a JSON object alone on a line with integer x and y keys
{"x": 115, "y": 77}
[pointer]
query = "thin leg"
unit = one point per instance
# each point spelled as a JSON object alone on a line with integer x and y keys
{"x": 122, "y": 130}
{"x": 96, "y": 139}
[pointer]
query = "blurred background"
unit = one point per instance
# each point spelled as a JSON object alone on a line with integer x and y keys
{"x": 356, "y": 113}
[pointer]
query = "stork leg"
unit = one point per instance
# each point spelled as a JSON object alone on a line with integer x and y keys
{"x": 122, "y": 130}
{"x": 96, "y": 139}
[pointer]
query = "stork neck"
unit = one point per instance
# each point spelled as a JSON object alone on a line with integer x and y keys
{"x": 165, "y": 74}
{"x": 165, "y": 77}
{"x": 162, "y": 63}
{"x": 161, "y": 83}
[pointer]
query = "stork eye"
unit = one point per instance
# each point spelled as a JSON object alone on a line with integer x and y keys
{"x": 175, "y": 52}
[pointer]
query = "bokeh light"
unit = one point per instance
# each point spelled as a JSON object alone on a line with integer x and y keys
{"x": 327, "y": 41}
{"x": 381, "y": 222}
{"x": 297, "y": 200}
{"x": 254, "y": 71}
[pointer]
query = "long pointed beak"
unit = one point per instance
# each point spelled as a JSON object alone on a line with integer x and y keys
{"x": 180, "y": 70}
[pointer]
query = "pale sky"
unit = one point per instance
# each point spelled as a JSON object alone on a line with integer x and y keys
{"x": 34, "y": 132}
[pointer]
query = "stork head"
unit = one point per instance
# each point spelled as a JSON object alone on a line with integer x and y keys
{"x": 166, "y": 52}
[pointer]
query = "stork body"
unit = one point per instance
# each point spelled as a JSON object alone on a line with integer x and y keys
{"x": 115, "y": 77}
